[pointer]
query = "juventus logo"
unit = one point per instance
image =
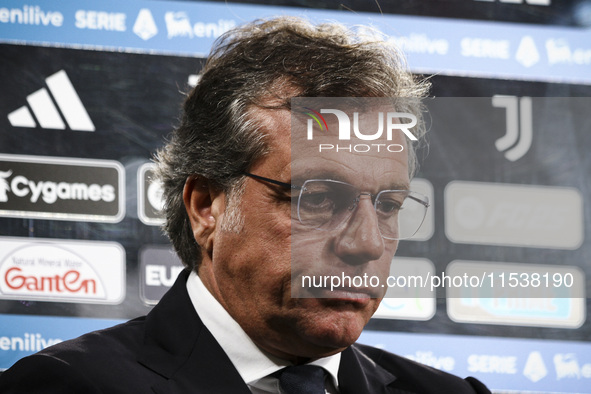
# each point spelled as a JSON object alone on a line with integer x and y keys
{"x": 518, "y": 137}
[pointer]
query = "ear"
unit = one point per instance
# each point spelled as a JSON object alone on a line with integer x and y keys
{"x": 204, "y": 204}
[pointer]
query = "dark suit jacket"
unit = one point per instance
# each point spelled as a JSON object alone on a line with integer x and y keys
{"x": 170, "y": 351}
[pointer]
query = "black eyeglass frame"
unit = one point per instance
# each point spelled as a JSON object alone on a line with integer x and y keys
{"x": 273, "y": 181}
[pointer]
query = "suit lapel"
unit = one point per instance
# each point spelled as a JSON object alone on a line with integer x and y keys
{"x": 180, "y": 348}
{"x": 207, "y": 370}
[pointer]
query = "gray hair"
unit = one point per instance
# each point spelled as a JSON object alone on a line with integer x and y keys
{"x": 277, "y": 59}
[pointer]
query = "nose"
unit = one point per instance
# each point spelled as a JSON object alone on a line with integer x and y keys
{"x": 360, "y": 240}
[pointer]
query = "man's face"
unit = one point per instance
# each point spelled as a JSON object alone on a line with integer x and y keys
{"x": 250, "y": 271}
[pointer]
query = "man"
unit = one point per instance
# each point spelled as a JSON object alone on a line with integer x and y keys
{"x": 251, "y": 209}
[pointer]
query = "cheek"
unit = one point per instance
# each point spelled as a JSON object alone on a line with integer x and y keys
{"x": 308, "y": 249}
{"x": 385, "y": 262}
{"x": 256, "y": 261}
{"x": 391, "y": 247}
{"x": 310, "y": 245}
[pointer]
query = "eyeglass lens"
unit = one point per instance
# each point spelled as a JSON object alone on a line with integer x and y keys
{"x": 328, "y": 204}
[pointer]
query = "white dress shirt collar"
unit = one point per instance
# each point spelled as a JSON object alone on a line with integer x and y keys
{"x": 250, "y": 361}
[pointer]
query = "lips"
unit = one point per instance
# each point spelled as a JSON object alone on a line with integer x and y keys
{"x": 354, "y": 296}
{"x": 350, "y": 293}
{"x": 358, "y": 296}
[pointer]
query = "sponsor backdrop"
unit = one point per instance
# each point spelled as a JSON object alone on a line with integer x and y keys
{"x": 90, "y": 89}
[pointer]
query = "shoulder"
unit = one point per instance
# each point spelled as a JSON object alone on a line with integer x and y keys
{"x": 127, "y": 358}
{"x": 118, "y": 342}
{"x": 42, "y": 373}
{"x": 76, "y": 365}
{"x": 415, "y": 377}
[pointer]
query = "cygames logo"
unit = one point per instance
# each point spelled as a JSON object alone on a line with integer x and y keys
{"x": 61, "y": 188}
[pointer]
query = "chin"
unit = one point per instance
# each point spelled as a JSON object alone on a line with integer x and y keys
{"x": 335, "y": 330}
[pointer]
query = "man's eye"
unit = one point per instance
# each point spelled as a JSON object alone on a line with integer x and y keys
{"x": 316, "y": 201}
{"x": 388, "y": 206}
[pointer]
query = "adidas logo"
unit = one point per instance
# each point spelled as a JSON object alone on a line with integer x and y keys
{"x": 47, "y": 113}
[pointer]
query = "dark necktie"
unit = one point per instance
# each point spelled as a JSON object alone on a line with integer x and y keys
{"x": 302, "y": 379}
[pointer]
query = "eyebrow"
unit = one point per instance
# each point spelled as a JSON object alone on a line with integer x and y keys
{"x": 399, "y": 186}
{"x": 313, "y": 174}
{"x": 322, "y": 174}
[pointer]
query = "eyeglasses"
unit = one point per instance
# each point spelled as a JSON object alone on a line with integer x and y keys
{"x": 326, "y": 204}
